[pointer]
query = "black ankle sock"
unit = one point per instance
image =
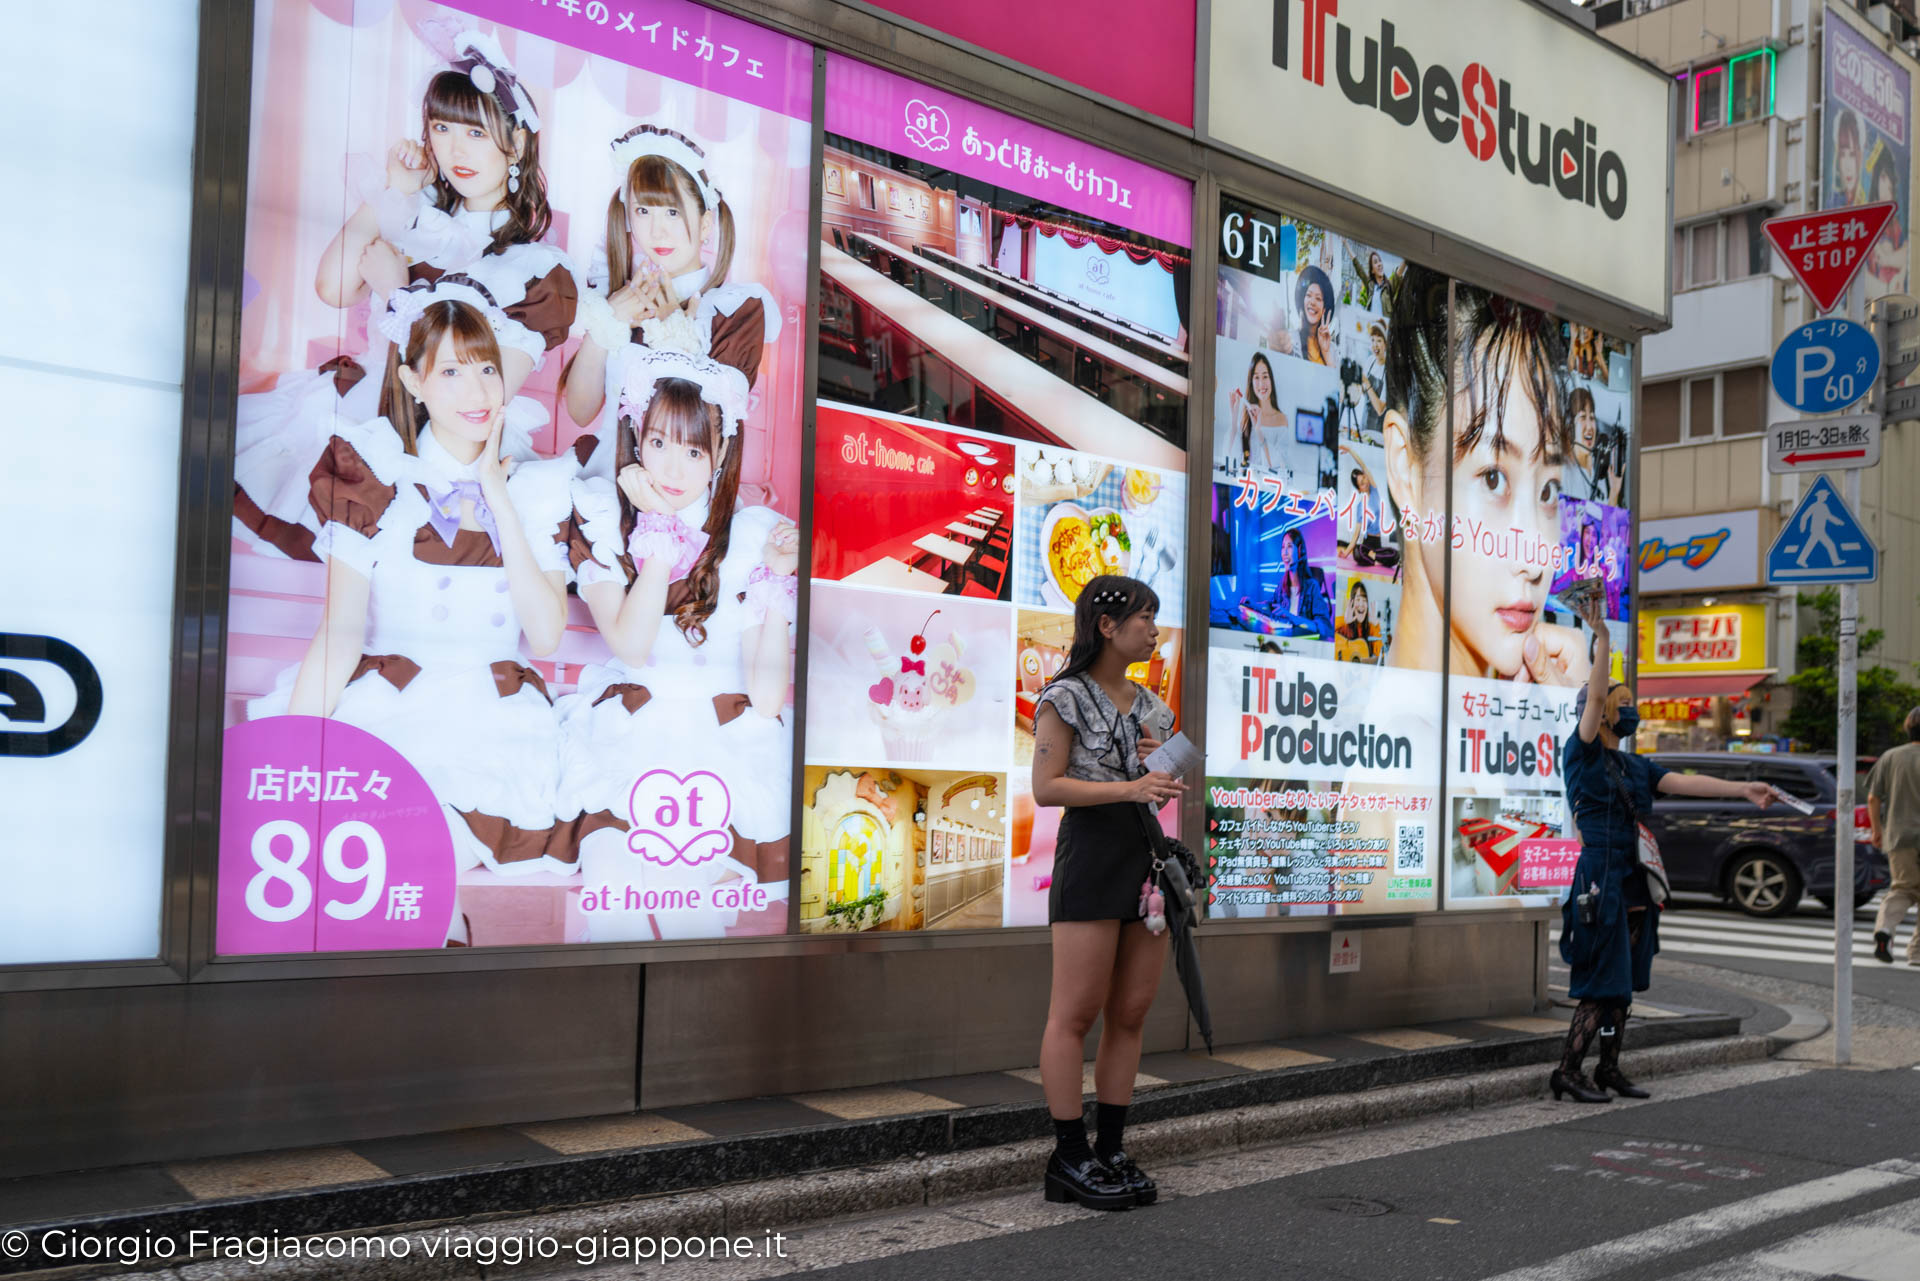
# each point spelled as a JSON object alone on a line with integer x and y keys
{"x": 1112, "y": 1121}
{"x": 1070, "y": 1139}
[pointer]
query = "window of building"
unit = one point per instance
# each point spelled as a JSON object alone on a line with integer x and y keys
{"x": 1729, "y": 93}
{"x": 1709, "y": 98}
{"x": 1701, "y": 394}
{"x": 1748, "y": 251}
{"x": 1737, "y": 233}
{"x": 867, "y": 198}
{"x": 1660, "y": 413}
{"x": 1743, "y": 401}
{"x": 1729, "y": 403}
{"x": 1750, "y": 89}
{"x": 1704, "y": 253}
{"x": 1721, "y": 250}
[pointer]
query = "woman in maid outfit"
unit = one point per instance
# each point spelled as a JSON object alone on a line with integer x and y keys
{"x": 441, "y": 554}
{"x": 660, "y": 291}
{"x": 696, "y": 601}
{"x": 469, "y": 197}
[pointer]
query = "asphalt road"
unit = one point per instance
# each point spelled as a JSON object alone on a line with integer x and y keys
{"x": 1896, "y": 985}
{"x": 1769, "y": 1170}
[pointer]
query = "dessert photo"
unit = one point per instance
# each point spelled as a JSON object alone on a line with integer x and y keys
{"x": 904, "y": 678}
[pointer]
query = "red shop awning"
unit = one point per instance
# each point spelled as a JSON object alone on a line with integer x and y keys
{"x": 1728, "y": 683}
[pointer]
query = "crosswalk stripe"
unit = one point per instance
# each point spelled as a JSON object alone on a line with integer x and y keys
{"x": 1755, "y": 937}
{"x": 1802, "y": 957}
{"x": 1753, "y": 953}
{"x": 1796, "y": 929}
{"x": 1722, "y": 1223}
{"x": 1884, "y": 1243}
{"x": 1802, "y": 940}
{"x": 1748, "y": 945}
{"x": 1750, "y": 938}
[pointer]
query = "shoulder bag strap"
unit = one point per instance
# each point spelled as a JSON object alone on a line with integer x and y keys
{"x": 1618, "y": 777}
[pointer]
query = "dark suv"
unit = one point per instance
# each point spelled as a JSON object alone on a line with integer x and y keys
{"x": 1762, "y": 861}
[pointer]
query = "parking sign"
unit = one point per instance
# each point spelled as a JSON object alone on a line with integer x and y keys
{"x": 1825, "y": 365}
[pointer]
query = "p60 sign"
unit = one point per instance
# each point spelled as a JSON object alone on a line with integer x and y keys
{"x": 1824, "y": 366}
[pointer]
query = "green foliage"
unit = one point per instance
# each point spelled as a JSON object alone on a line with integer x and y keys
{"x": 1883, "y": 697}
{"x": 855, "y": 914}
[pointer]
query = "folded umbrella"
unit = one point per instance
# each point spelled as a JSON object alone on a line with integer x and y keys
{"x": 1183, "y": 911}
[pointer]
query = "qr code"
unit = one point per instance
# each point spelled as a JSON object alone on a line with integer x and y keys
{"x": 1410, "y": 847}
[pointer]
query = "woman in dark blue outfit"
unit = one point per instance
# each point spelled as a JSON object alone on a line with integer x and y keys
{"x": 1610, "y": 945}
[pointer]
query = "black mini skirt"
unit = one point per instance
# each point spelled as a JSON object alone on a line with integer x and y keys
{"x": 1100, "y": 859}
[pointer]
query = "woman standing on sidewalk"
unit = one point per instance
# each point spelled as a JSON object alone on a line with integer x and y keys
{"x": 1609, "y": 927}
{"x": 1093, "y": 729}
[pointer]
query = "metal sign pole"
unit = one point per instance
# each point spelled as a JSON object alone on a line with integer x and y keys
{"x": 1822, "y": 364}
{"x": 1843, "y": 810}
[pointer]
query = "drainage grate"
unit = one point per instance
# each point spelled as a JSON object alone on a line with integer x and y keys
{"x": 1352, "y": 1206}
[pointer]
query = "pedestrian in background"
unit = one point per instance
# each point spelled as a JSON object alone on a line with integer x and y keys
{"x": 1893, "y": 808}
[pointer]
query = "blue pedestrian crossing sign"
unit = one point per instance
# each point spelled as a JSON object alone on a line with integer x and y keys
{"x": 1823, "y": 542}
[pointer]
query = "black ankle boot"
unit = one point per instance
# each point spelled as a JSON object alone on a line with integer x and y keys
{"x": 1883, "y": 948}
{"x": 1145, "y": 1190}
{"x": 1612, "y": 1078}
{"x": 1088, "y": 1181}
{"x": 1576, "y": 1084}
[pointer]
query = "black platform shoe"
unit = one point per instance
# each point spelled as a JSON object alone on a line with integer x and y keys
{"x": 1577, "y": 1085}
{"x": 1612, "y": 1078}
{"x": 1089, "y": 1182}
{"x": 1145, "y": 1190}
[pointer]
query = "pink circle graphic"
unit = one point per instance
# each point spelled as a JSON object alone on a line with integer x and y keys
{"x": 329, "y": 842}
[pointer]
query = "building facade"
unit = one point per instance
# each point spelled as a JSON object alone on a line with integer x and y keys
{"x": 836, "y": 348}
{"x": 1786, "y": 106}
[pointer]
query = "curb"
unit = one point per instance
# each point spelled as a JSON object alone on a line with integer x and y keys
{"x": 692, "y": 1167}
{"x": 1804, "y": 1023}
{"x": 470, "y": 1250}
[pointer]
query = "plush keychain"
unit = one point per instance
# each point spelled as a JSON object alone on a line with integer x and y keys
{"x": 1153, "y": 907}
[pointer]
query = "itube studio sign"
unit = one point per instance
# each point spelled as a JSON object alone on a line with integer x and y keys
{"x": 1542, "y": 143}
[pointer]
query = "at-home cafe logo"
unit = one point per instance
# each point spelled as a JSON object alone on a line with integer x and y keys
{"x": 1477, "y": 107}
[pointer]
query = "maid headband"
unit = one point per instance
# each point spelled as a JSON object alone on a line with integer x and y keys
{"x": 406, "y": 306}
{"x": 720, "y": 385}
{"x": 651, "y": 140}
{"x": 481, "y": 59}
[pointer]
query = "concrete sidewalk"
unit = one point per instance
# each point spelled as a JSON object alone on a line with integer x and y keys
{"x": 508, "y": 1170}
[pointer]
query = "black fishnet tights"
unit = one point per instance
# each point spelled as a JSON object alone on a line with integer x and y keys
{"x": 1601, "y": 1021}
{"x": 1591, "y": 1021}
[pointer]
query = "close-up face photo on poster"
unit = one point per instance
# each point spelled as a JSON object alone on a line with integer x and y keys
{"x": 516, "y": 479}
{"x": 1541, "y": 431}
